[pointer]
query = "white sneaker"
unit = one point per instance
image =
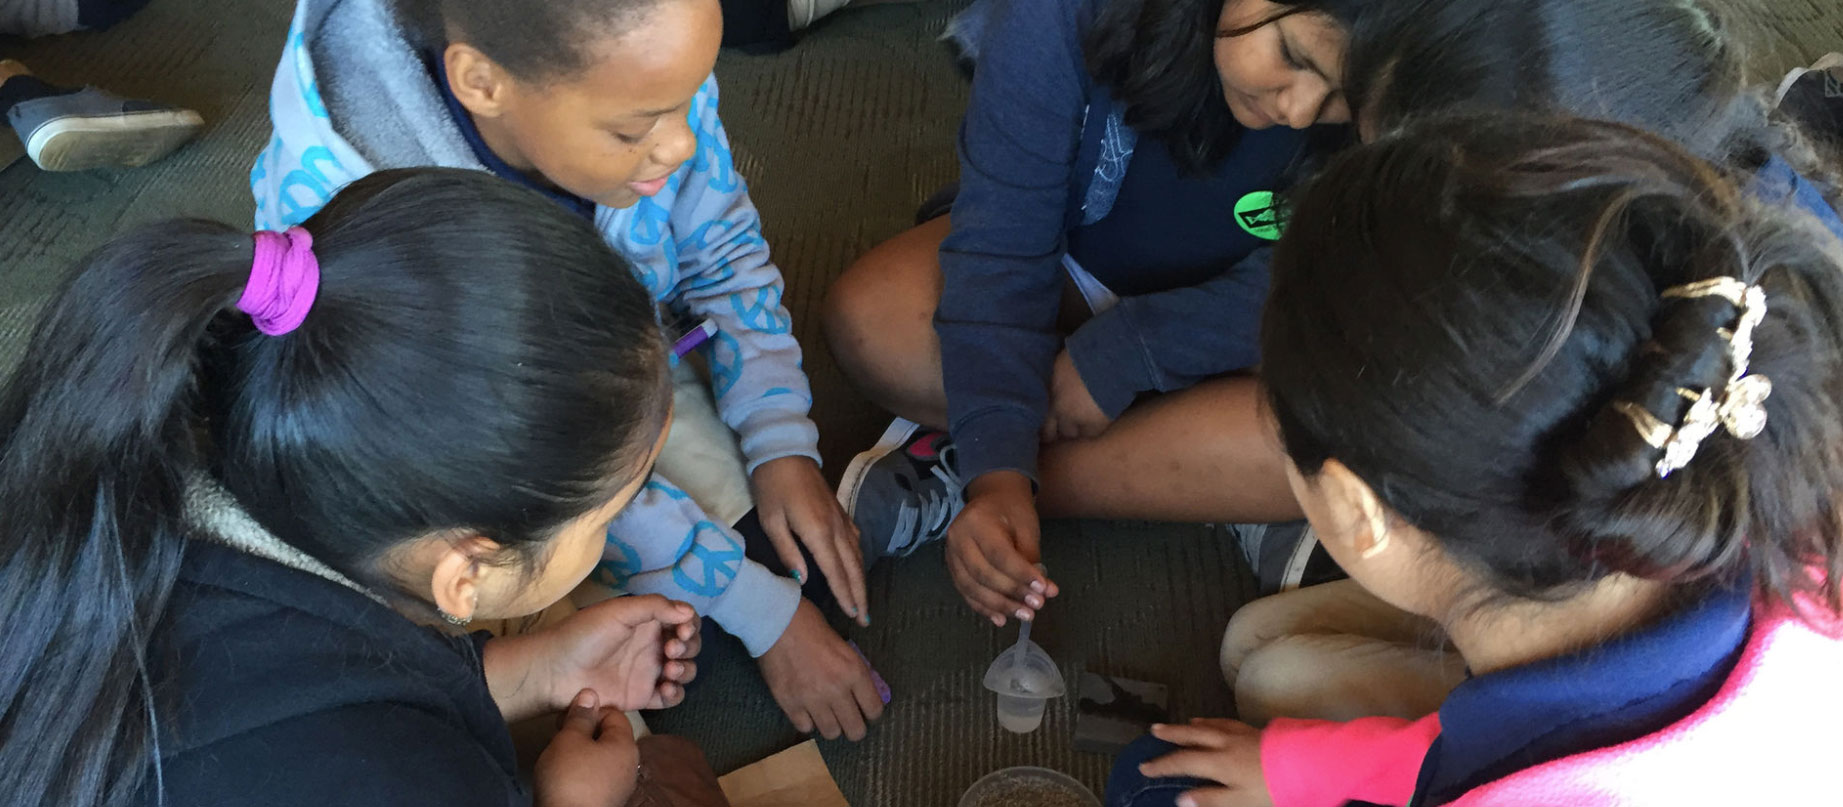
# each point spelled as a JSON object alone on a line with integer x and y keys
{"x": 94, "y": 129}
{"x": 803, "y": 13}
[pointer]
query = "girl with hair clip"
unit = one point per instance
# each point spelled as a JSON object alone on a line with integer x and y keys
{"x": 1578, "y": 402}
{"x": 243, "y": 476}
{"x": 1666, "y": 66}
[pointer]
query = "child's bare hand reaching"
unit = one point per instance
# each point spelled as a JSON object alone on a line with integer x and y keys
{"x": 992, "y": 549}
{"x": 794, "y": 501}
{"x": 1227, "y": 752}
{"x": 822, "y": 684}
{"x": 633, "y": 652}
{"x": 592, "y": 762}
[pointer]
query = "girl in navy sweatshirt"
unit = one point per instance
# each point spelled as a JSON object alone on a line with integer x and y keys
{"x": 1104, "y": 141}
{"x": 248, "y": 479}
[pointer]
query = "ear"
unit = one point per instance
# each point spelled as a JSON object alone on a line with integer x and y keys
{"x": 478, "y": 82}
{"x": 456, "y": 577}
{"x": 1357, "y": 503}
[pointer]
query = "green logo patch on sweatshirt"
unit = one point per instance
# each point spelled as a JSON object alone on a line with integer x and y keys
{"x": 1261, "y": 214}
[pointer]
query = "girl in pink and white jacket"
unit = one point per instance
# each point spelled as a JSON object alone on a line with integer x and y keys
{"x": 1577, "y": 397}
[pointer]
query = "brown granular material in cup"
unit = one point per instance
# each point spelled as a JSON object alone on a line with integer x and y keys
{"x": 1026, "y": 790}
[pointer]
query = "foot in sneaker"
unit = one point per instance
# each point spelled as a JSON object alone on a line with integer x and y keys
{"x": 1813, "y": 96}
{"x": 903, "y": 492}
{"x": 1285, "y": 556}
{"x": 94, "y": 129}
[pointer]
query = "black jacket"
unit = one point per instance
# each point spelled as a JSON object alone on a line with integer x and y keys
{"x": 278, "y": 687}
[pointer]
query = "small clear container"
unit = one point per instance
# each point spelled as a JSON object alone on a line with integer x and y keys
{"x": 1024, "y": 678}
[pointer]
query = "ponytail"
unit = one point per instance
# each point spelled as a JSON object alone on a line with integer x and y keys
{"x": 97, "y": 445}
{"x": 498, "y": 365}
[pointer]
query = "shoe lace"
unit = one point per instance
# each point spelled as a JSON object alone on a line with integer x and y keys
{"x": 925, "y": 517}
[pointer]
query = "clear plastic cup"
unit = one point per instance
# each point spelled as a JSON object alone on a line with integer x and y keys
{"x": 1024, "y": 678}
{"x": 1028, "y": 787}
{"x": 1020, "y": 715}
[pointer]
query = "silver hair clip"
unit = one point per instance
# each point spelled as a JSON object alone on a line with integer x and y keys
{"x": 1740, "y": 405}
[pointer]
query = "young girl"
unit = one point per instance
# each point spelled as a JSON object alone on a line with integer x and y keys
{"x": 608, "y": 108}
{"x": 1104, "y": 143}
{"x": 1667, "y": 66}
{"x": 1579, "y": 401}
{"x": 241, "y": 475}
{"x": 1662, "y": 65}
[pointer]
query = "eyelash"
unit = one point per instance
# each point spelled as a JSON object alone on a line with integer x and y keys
{"x": 636, "y": 139}
{"x": 1286, "y": 52}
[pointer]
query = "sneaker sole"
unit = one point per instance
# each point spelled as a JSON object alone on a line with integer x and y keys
{"x": 1296, "y": 564}
{"x": 121, "y": 141}
{"x": 892, "y": 440}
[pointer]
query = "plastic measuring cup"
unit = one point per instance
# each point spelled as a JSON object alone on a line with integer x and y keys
{"x": 1024, "y": 678}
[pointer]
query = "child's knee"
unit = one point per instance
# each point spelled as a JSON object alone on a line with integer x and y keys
{"x": 1250, "y": 628}
{"x": 1279, "y": 678}
{"x": 848, "y": 310}
{"x": 879, "y": 321}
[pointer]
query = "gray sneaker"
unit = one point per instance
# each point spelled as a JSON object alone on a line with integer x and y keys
{"x": 903, "y": 492}
{"x": 94, "y": 129}
{"x": 1284, "y": 556}
{"x": 1813, "y": 97}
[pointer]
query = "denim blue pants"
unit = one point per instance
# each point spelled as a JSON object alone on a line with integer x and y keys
{"x": 1127, "y": 787}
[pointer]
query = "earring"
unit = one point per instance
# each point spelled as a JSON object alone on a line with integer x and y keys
{"x": 457, "y": 621}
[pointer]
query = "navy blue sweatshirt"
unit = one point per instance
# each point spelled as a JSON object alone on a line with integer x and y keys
{"x": 282, "y": 688}
{"x": 1192, "y": 282}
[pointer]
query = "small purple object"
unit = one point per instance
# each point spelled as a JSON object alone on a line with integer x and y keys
{"x": 284, "y": 279}
{"x": 883, "y": 687}
{"x": 696, "y": 336}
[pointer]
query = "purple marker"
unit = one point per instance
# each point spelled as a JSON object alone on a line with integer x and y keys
{"x": 696, "y": 336}
{"x": 883, "y": 687}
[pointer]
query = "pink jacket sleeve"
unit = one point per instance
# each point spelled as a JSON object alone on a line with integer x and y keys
{"x": 1324, "y": 763}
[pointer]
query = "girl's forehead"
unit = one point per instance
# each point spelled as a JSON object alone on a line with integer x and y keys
{"x": 1321, "y": 37}
{"x": 659, "y": 62}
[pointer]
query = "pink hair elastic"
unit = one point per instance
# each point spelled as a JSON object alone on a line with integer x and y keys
{"x": 284, "y": 278}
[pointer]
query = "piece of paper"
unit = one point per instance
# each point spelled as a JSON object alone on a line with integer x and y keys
{"x": 796, "y": 777}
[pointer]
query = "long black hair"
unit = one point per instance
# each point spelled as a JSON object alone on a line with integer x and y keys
{"x": 1668, "y": 66}
{"x": 1158, "y": 59}
{"x": 477, "y": 359}
{"x": 1456, "y": 310}
{"x": 534, "y": 40}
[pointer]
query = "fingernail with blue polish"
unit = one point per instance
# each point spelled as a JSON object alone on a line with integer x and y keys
{"x": 800, "y": 577}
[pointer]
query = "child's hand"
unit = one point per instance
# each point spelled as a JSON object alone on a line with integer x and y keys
{"x": 819, "y": 681}
{"x": 992, "y": 549}
{"x": 633, "y": 652}
{"x": 794, "y": 500}
{"x": 592, "y": 762}
{"x": 1227, "y": 752}
{"x": 1073, "y": 414}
